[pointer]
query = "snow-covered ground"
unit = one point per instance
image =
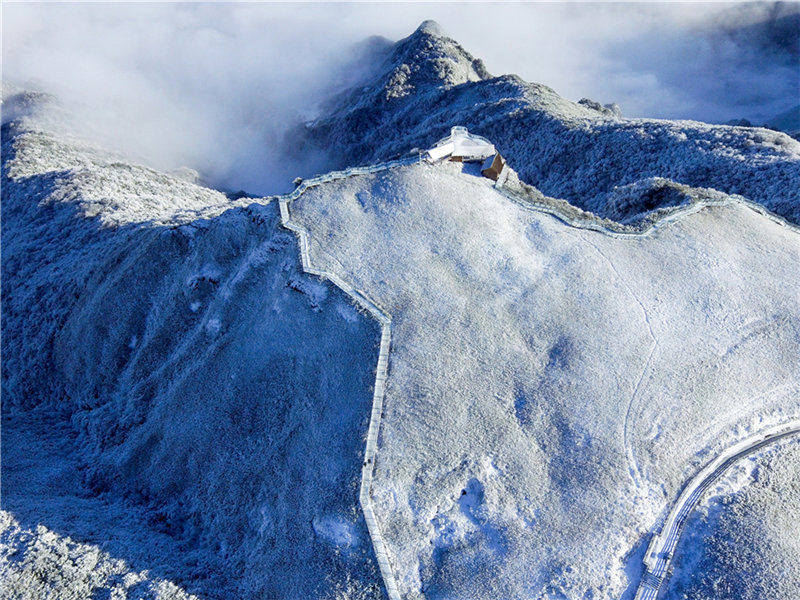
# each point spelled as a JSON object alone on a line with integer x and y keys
{"x": 550, "y": 387}
{"x": 41, "y": 564}
{"x": 199, "y": 389}
{"x": 185, "y": 410}
{"x": 662, "y": 545}
{"x": 46, "y": 502}
{"x": 745, "y": 542}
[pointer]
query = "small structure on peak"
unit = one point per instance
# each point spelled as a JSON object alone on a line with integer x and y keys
{"x": 493, "y": 166}
{"x": 461, "y": 146}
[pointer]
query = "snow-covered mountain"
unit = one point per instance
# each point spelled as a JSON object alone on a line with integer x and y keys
{"x": 579, "y": 151}
{"x": 788, "y": 121}
{"x": 176, "y": 391}
{"x": 408, "y": 381}
{"x": 736, "y": 546}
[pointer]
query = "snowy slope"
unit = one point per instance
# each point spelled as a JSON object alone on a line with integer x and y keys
{"x": 171, "y": 374}
{"x": 580, "y": 152}
{"x": 194, "y": 375}
{"x": 551, "y": 387}
{"x": 41, "y": 564}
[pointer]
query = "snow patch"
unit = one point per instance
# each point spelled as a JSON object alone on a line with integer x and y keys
{"x": 336, "y": 530}
{"x": 213, "y": 325}
{"x": 347, "y": 311}
{"x": 316, "y": 291}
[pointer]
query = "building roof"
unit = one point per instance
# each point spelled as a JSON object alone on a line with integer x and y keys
{"x": 462, "y": 144}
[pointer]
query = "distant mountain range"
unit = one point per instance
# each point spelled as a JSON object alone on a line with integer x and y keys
{"x": 788, "y": 122}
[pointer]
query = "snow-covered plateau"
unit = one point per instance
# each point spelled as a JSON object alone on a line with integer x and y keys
{"x": 551, "y": 386}
{"x": 404, "y": 381}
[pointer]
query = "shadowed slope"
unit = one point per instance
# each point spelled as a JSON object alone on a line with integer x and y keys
{"x": 193, "y": 376}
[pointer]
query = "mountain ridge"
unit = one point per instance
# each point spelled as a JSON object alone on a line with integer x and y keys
{"x": 578, "y": 151}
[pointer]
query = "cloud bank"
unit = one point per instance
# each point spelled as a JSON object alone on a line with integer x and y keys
{"x": 215, "y": 87}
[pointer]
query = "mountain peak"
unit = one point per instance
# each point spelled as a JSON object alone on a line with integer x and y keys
{"x": 429, "y": 58}
{"x": 431, "y": 27}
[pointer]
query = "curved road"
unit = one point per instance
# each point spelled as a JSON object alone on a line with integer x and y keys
{"x": 662, "y": 546}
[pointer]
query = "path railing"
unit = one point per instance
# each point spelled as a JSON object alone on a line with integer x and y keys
{"x": 371, "y": 450}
